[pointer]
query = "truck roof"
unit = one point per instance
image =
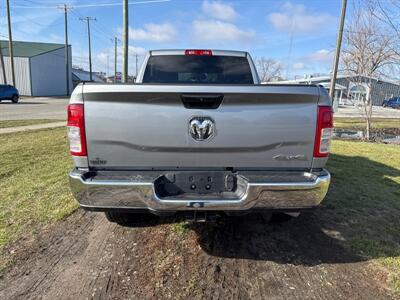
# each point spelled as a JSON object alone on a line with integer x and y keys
{"x": 182, "y": 52}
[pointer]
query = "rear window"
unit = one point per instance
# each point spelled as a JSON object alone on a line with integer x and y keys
{"x": 198, "y": 69}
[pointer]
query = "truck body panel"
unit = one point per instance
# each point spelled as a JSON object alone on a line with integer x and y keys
{"x": 199, "y": 133}
{"x": 147, "y": 126}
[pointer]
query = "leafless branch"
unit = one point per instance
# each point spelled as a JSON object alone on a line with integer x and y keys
{"x": 268, "y": 69}
{"x": 369, "y": 52}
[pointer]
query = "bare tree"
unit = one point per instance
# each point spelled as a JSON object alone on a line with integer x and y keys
{"x": 368, "y": 54}
{"x": 268, "y": 69}
{"x": 387, "y": 11}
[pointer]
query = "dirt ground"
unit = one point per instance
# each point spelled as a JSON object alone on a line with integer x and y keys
{"x": 86, "y": 257}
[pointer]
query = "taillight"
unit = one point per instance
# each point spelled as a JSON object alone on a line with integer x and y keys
{"x": 324, "y": 131}
{"x": 198, "y": 52}
{"x": 76, "y": 130}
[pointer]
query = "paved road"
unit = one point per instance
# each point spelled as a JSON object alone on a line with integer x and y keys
{"x": 55, "y": 108}
{"x": 86, "y": 257}
{"x": 377, "y": 112}
{"x": 34, "y": 108}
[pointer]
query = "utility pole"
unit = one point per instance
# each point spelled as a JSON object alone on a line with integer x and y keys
{"x": 88, "y": 19}
{"x": 108, "y": 64}
{"x": 125, "y": 41}
{"x": 10, "y": 43}
{"x": 136, "y": 65}
{"x": 65, "y": 8}
{"x": 3, "y": 68}
{"x": 337, "y": 52}
{"x": 115, "y": 58}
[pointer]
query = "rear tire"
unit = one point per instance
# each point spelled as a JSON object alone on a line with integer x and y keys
{"x": 15, "y": 99}
{"x": 130, "y": 218}
{"x": 119, "y": 217}
{"x": 266, "y": 216}
{"x": 283, "y": 217}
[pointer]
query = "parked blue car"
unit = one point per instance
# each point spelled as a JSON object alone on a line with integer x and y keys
{"x": 8, "y": 92}
{"x": 392, "y": 102}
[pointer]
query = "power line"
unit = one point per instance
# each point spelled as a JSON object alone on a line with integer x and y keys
{"x": 32, "y": 20}
{"x": 97, "y": 33}
{"x": 82, "y": 59}
{"x": 96, "y": 5}
{"x": 120, "y": 4}
{"x": 98, "y": 29}
{"x": 95, "y": 27}
{"x": 101, "y": 33}
{"x": 103, "y": 28}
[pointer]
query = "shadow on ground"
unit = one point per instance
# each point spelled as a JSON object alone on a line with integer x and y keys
{"x": 298, "y": 241}
{"x": 359, "y": 187}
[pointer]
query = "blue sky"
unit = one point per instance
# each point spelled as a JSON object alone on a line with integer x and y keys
{"x": 299, "y": 34}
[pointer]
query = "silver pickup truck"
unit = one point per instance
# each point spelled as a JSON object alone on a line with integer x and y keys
{"x": 199, "y": 134}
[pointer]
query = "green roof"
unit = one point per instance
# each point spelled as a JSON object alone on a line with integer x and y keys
{"x": 28, "y": 49}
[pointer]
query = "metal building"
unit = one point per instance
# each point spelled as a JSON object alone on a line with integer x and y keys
{"x": 39, "y": 68}
{"x": 357, "y": 88}
{"x": 80, "y": 75}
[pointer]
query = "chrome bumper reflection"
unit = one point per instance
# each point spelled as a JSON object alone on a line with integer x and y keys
{"x": 262, "y": 191}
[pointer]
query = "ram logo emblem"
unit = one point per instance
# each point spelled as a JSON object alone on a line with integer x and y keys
{"x": 201, "y": 128}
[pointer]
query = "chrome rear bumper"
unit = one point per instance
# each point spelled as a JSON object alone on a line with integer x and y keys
{"x": 257, "y": 190}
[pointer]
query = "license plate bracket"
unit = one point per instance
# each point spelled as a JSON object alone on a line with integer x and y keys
{"x": 186, "y": 182}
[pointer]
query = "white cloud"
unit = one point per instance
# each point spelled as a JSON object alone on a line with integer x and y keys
{"x": 319, "y": 61}
{"x": 295, "y": 18}
{"x": 322, "y": 55}
{"x": 298, "y": 66}
{"x": 136, "y": 50}
{"x": 214, "y": 30}
{"x": 154, "y": 33}
{"x": 219, "y": 10}
{"x": 30, "y": 23}
{"x": 56, "y": 38}
{"x": 100, "y": 59}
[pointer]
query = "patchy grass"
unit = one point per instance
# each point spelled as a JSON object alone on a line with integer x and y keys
{"x": 34, "y": 189}
{"x": 357, "y": 123}
{"x": 17, "y": 123}
{"x": 363, "y": 203}
{"x": 365, "y": 200}
{"x": 181, "y": 227}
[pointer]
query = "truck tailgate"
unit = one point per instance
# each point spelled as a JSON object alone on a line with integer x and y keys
{"x": 147, "y": 126}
